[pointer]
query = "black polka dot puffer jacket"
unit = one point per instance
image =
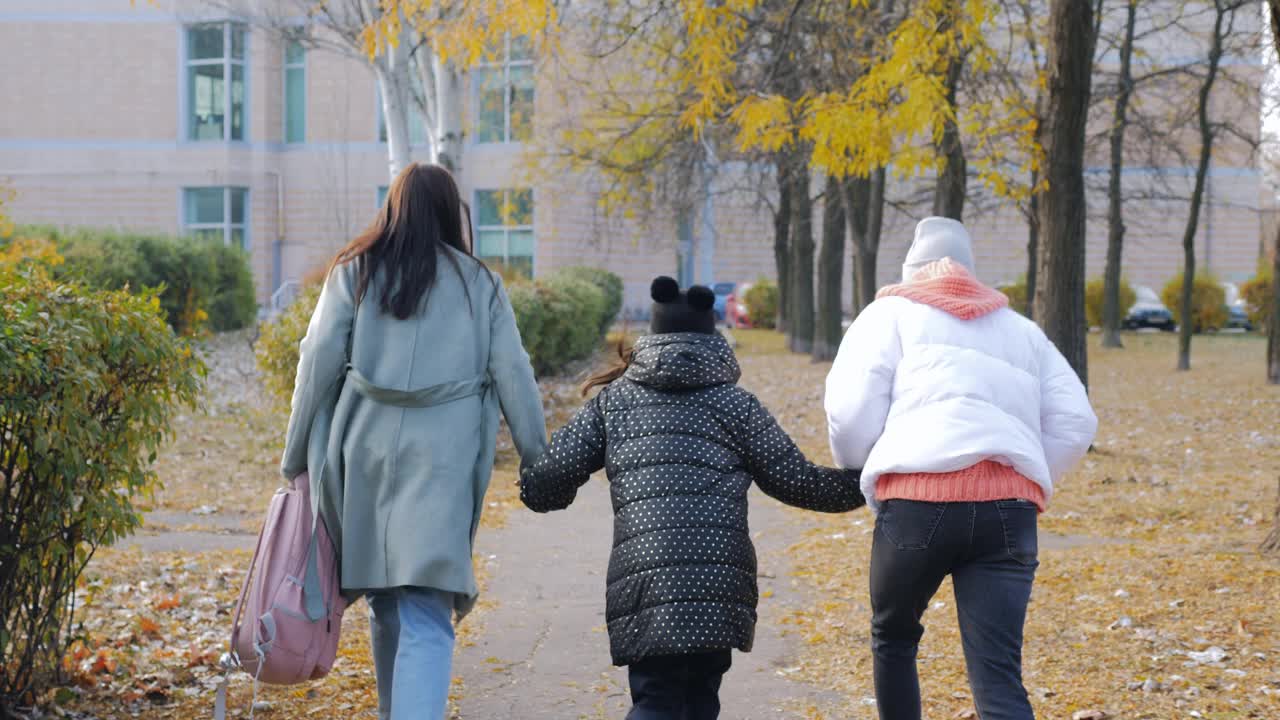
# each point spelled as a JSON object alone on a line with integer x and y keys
{"x": 681, "y": 444}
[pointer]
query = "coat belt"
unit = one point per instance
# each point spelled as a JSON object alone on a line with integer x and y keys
{"x": 420, "y": 398}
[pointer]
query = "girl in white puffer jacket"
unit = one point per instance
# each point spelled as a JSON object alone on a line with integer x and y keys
{"x": 962, "y": 416}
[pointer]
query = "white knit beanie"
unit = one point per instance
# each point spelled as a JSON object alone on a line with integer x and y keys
{"x": 937, "y": 238}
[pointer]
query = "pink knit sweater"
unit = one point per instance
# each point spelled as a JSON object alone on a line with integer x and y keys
{"x": 950, "y": 287}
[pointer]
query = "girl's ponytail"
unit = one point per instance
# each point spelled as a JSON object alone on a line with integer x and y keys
{"x": 609, "y": 374}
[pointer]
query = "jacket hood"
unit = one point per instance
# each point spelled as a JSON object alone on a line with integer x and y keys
{"x": 683, "y": 361}
{"x": 949, "y": 286}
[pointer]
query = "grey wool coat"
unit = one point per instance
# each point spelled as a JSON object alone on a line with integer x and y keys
{"x": 401, "y": 446}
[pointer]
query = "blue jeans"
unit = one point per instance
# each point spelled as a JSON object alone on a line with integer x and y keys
{"x": 990, "y": 551}
{"x": 412, "y": 634}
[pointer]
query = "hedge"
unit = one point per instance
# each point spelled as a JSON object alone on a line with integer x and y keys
{"x": 201, "y": 280}
{"x": 608, "y": 282}
{"x": 1095, "y": 299}
{"x": 89, "y": 380}
{"x": 1258, "y": 294}
{"x": 1017, "y": 294}
{"x": 762, "y": 304}
{"x": 562, "y": 319}
{"x": 1208, "y": 302}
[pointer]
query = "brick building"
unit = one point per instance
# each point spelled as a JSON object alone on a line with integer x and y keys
{"x": 162, "y": 116}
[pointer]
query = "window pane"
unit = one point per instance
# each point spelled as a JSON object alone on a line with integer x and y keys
{"x": 521, "y": 48}
{"x": 382, "y": 195}
{"x": 208, "y": 235}
{"x": 237, "y": 102}
{"x": 237, "y": 41}
{"x": 206, "y": 90}
{"x": 522, "y": 265}
{"x": 237, "y": 238}
{"x": 294, "y": 53}
{"x": 238, "y": 198}
{"x": 295, "y": 106}
{"x": 521, "y": 99}
{"x": 520, "y": 210}
{"x": 491, "y": 243}
{"x": 487, "y": 207}
{"x": 204, "y": 206}
{"x": 204, "y": 42}
{"x": 490, "y": 113}
{"x": 521, "y": 243}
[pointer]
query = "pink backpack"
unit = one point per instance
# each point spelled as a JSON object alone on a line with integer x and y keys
{"x": 292, "y": 604}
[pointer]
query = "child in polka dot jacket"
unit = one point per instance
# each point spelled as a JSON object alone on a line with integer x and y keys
{"x": 681, "y": 444}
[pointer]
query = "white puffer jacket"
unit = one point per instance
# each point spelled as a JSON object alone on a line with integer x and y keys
{"x": 916, "y": 389}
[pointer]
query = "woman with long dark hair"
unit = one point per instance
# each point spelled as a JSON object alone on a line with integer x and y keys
{"x": 412, "y": 349}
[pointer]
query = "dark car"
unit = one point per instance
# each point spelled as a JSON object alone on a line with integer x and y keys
{"x": 1149, "y": 312}
{"x": 1237, "y": 317}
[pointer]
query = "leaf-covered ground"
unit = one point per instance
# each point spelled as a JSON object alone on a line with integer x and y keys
{"x": 1157, "y": 606}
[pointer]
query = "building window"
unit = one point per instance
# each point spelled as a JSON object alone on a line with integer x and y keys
{"x": 217, "y": 213}
{"x": 295, "y": 92}
{"x": 504, "y": 229}
{"x": 216, "y": 82}
{"x": 417, "y": 126}
{"x": 504, "y": 95}
{"x": 382, "y": 195}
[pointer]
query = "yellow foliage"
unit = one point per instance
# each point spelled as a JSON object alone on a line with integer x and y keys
{"x": 6, "y": 224}
{"x": 462, "y": 33}
{"x": 23, "y": 250}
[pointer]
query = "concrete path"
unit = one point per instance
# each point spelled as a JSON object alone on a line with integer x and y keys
{"x": 544, "y": 653}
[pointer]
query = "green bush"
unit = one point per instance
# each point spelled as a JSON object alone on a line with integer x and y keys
{"x": 1095, "y": 298}
{"x": 278, "y": 342}
{"x": 560, "y": 321}
{"x": 1017, "y": 294}
{"x": 1258, "y": 296}
{"x": 608, "y": 283}
{"x": 89, "y": 380}
{"x": 201, "y": 280}
{"x": 762, "y": 303}
{"x": 1208, "y": 302}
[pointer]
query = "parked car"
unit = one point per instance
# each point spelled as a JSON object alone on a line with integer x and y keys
{"x": 1237, "y": 315}
{"x": 722, "y": 290}
{"x": 736, "y": 313}
{"x": 1149, "y": 312}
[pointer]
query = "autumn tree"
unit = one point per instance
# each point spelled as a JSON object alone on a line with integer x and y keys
{"x": 418, "y": 50}
{"x": 1059, "y": 301}
{"x": 1223, "y": 24}
{"x": 1115, "y": 214}
{"x": 1273, "y": 328}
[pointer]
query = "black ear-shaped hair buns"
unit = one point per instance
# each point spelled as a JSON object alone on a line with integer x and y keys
{"x": 664, "y": 289}
{"x": 701, "y": 298}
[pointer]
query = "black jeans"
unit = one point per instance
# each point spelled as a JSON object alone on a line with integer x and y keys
{"x": 678, "y": 687}
{"x": 989, "y": 549}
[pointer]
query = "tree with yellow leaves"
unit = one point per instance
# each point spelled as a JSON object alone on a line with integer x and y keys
{"x": 418, "y": 50}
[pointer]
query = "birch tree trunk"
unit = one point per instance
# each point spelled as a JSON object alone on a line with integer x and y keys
{"x": 392, "y": 71}
{"x": 1115, "y": 218}
{"x": 448, "y": 116}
